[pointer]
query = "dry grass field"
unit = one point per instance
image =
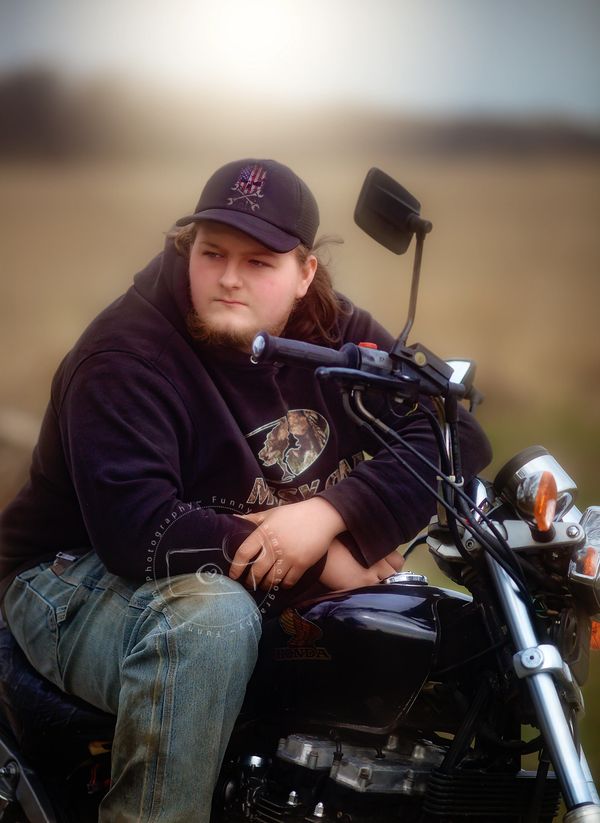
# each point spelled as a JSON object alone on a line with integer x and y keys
{"x": 510, "y": 278}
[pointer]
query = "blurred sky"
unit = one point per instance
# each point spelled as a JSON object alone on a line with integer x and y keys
{"x": 505, "y": 57}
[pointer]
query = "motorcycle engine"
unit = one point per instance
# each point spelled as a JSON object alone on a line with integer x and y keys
{"x": 315, "y": 779}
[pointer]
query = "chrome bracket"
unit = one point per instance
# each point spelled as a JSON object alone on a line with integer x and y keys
{"x": 546, "y": 659}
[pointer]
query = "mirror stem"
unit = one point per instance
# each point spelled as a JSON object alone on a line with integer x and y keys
{"x": 414, "y": 287}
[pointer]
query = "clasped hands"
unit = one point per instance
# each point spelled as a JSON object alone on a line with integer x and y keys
{"x": 290, "y": 539}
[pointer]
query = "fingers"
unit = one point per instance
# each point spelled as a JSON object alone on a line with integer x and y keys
{"x": 291, "y": 577}
{"x": 276, "y": 552}
{"x": 396, "y": 560}
{"x": 258, "y": 560}
{"x": 274, "y": 577}
{"x": 250, "y": 551}
{"x": 382, "y": 569}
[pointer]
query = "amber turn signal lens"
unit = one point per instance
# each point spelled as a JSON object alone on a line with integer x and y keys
{"x": 590, "y": 563}
{"x": 595, "y": 635}
{"x": 545, "y": 502}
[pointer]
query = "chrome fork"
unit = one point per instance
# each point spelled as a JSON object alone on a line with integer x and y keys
{"x": 539, "y": 664}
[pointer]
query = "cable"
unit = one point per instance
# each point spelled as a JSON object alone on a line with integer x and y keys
{"x": 473, "y": 527}
{"x": 486, "y": 541}
{"x": 462, "y": 494}
{"x": 499, "y": 552}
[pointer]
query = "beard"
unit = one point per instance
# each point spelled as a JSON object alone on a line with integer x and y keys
{"x": 209, "y": 335}
{"x": 205, "y": 333}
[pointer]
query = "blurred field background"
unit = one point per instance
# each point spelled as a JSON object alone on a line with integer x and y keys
{"x": 111, "y": 125}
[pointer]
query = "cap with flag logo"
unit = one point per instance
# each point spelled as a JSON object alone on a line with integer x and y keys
{"x": 262, "y": 198}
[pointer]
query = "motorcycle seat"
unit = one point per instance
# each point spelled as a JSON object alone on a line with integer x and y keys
{"x": 34, "y": 709}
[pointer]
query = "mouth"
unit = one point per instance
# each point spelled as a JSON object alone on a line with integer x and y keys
{"x": 230, "y": 302}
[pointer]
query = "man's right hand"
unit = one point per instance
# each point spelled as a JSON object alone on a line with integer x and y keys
{"x": 343, "y": 571}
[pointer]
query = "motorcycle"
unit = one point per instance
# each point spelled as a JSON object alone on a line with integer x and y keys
{"x": 398, "y": 701}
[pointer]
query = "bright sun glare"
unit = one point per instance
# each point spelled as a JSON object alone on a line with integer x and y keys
{"x": 273, "y": 45}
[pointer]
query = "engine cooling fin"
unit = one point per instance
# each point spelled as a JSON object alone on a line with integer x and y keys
{"x": 502, "y": 797}
{"x": 269, "y": 811}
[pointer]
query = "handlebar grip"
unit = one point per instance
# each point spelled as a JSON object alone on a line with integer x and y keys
{"x": 267, "y": 348}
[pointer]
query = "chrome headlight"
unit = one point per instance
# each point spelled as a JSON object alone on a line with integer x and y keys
{"x": 528, "y": 463}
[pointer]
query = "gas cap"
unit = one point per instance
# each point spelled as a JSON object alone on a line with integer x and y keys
{"x": 412, "y": 578}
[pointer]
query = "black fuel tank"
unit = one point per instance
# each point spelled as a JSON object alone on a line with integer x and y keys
{"x": 360, "y": 658}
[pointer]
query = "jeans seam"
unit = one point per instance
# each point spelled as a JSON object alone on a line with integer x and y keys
{"x": 155, "y": 710}
{"x": 166, "y": 726}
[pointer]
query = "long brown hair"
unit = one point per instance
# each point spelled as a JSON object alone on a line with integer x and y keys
{"x": 315, "y": 317}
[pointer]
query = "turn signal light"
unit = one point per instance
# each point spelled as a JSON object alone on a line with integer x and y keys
{"x": 584, "y": 570}
{"x": 595, "y": 635}
{"x": 590, "y": 562}
{"x": 586, "y": 562}
{"x": 546, "y": 496}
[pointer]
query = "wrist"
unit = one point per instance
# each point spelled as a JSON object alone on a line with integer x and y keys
{"x": 329, "y": 518}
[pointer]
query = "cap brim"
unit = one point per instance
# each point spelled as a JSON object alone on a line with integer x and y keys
{"x": 270, "y": 236}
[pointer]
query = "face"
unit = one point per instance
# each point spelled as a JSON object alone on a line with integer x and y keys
{"x": 240, "y": 287}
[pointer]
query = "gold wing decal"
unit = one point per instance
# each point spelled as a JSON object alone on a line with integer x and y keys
{"x": 302, "y": 632}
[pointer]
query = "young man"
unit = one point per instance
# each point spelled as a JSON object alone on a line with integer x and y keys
{"x": 189, "y": 490}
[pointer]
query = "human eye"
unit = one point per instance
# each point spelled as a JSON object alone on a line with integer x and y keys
{"x": 259, "y": 264}
{"x": 212, "y": 255}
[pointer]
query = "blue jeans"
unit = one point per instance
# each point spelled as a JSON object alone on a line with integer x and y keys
{"x": 170, "y": 658}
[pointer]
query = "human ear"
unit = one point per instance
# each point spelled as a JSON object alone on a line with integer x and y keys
{"x": 308, "y": 269}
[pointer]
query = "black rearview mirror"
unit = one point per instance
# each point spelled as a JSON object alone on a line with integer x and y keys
{"x": 390, "y": 215}
{"x": 386, "y": 210}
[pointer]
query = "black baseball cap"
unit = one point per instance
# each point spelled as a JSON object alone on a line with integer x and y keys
{"x": 262, "y": 198}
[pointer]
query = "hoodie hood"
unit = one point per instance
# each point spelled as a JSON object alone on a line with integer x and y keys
{"x": 164, "y": 283}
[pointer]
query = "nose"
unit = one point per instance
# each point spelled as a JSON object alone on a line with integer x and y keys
{"x": 230, "y": 275}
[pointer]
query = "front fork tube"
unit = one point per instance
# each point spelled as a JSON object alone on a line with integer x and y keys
{"x": 572, "y": 770}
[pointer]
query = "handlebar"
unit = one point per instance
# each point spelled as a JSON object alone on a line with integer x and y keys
{"x": 407, "y": 365}
{"x": 267, "y": 348}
